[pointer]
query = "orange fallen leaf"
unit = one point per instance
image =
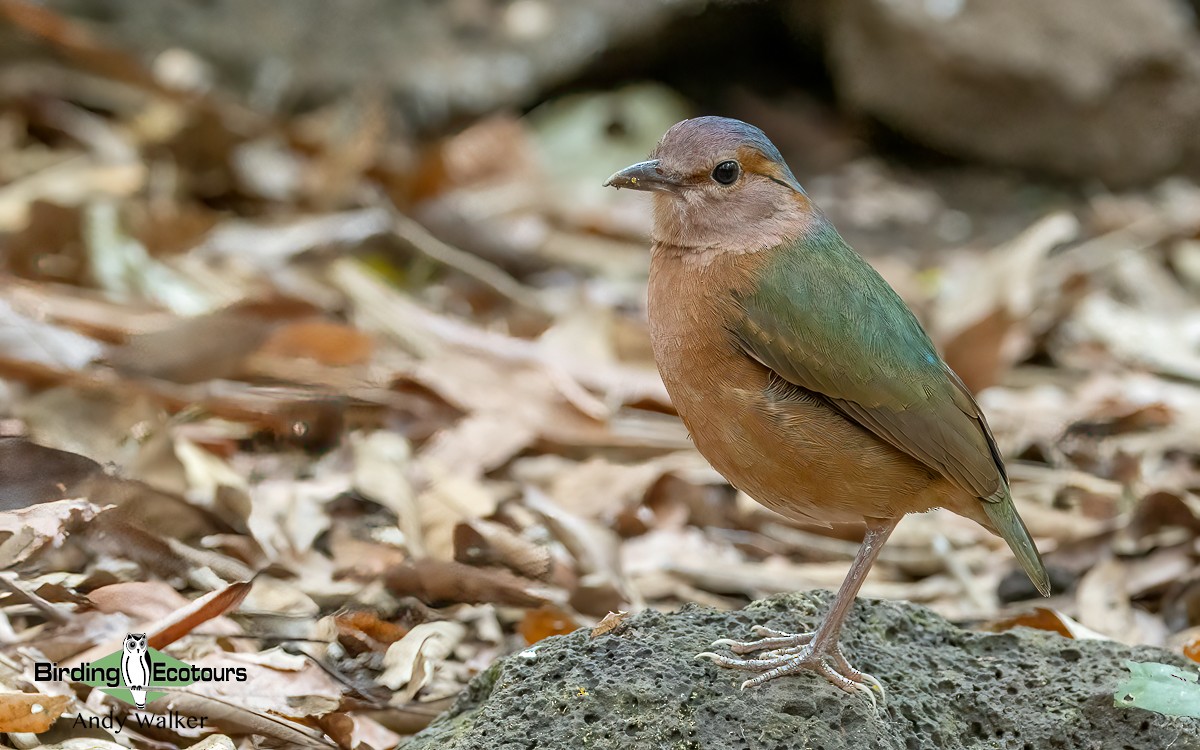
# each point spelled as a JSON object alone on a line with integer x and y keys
{"x": 1191, "y": 649}
{"x": 362, "y": 626}
{"x": 544, "y": 622}
{"x": 1042, "y": 618}
{"x": 30, "y": 712}
{"x": 328, "y": 343}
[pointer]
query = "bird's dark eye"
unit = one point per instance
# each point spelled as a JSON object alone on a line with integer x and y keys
{"x": 726, "y": 172}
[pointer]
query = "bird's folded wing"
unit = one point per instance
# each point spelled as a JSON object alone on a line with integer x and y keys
{"x": 842, "y": 333}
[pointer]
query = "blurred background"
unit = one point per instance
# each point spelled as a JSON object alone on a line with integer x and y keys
{"x": 329, "y": 297}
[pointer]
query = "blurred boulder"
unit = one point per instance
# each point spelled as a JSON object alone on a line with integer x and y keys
{"x": 1106, "y": 89}
{"x": 440, "y": 59}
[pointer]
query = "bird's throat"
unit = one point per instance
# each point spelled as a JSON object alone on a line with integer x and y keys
{"x": 697, "y": 229}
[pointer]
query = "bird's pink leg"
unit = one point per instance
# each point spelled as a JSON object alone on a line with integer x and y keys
{"x": 787, "y": 653}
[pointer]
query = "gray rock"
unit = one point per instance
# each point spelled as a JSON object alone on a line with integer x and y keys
{"x": 641, "y": 689}
{"x": 1106, "y": 89}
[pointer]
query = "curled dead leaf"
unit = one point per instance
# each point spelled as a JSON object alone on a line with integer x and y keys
{"x": 409, "y": 662}
{"x": 25, "y": 532}
{"x": 481, "y": 542}
{"x": 613, "y": 622}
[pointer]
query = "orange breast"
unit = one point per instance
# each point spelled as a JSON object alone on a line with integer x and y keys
{"x": 796, "y": 456}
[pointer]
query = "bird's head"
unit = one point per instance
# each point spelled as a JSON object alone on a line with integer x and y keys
{"x": 719, "y": 185}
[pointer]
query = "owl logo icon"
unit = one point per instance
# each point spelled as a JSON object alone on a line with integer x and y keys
{"x": 135, "y": 666}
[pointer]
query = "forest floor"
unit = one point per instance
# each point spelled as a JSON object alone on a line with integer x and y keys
{"x": 365, "y": 413}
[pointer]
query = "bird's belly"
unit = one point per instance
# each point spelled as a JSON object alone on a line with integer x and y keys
{"x": 797, "y": 456}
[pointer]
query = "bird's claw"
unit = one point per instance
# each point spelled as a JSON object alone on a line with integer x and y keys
{"x": 773, "y": 642}
{"x": 787, "y": 653}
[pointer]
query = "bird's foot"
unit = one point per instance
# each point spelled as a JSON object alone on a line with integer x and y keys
{"x": 782, "y": 654}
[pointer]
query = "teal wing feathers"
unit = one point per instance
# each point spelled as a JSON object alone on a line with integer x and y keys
{"x": 822, "y": 319}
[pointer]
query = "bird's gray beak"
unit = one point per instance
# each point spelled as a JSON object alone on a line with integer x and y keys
{"x": 645, "y": 175}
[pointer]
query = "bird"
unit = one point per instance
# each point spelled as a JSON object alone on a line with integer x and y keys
{"x": 802, "y": 376}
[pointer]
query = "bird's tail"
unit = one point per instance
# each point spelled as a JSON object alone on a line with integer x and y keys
{"x": 1003, "y": 515}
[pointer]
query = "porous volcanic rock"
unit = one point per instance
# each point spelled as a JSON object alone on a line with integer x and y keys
{"x": 640, "y": 688}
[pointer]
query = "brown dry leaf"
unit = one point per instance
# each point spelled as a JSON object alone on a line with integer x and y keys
{"x": 409, "y": 662}
{"x": 48, "y": 247}
{"x": 214, "y": 742}
{"x": 144, "y": 601}
{"x": 77, "y": 41}
{"x": 30, "y": 712}
{"x": 1042, "y": 618}
{"x": 778, "y": 575}
{"x": 598, "y": 488}
{"x": 96, "y": 744}
{"x": 545, "y": 621}
{"x": 381, "y": 466}
{"x": 349, "y": 136}
{"x": 338, "y": 727}
{"x": 99, "y": 423}
{"x": 983, "y": 322}
{"x": 169, "y": 515}
{"x": 597, "y": 551}
{"x": 289, "y": 513}
{"x": 281, "y": 597}
{"x": 217, "y": 347}
{"x": 436, "y": 581}
{"x": 529, "y": 395}
{"x": 328, "y": 343}
{"x": 477, "y": 443}
{"x": 369, "y": 733}
{"x": 367, "y": 630}
{"x": 1159, "y": 511}
{"x": 1120, "y": 418}
{"x": 233, "y": 717}
{"x": 32, "y": 473}
{"x": 613, "y": 622}
{"x": 30, "y": 342}
{"x": 73, "y": 182}
{"x": 25, "y": 532}
{"x": 278, "y": 683}
{"x": 173, "y": 627}
{"x": 1134, "y": 337}
{"x": 481, "y": 542}
{"x": 363, "y": 558}
{"x": 167, "y": 630}
{"x": 84, "y": 310}
{"x": 450, "y": 499}
{"x": 1103, "y": 601}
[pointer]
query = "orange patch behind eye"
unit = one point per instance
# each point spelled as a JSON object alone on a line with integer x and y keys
{"x": 753, "y": 161}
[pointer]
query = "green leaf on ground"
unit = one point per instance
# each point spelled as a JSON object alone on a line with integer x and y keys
{"x": 1161, "y": 688}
